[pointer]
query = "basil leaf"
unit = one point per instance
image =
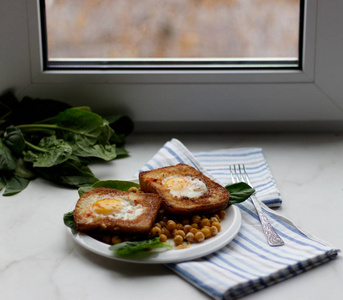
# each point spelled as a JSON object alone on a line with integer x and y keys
{"x": 69, "y": 221}
{"x": 239, "y": 192}
{"x": 130, "y": 247}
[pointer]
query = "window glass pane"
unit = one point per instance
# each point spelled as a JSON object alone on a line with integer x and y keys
{"x": 172, "y": 29}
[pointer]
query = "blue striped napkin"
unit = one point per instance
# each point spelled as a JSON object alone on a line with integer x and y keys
{"x": 247, "y": 264}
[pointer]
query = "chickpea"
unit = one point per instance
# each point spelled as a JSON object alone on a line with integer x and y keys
{"x": 178, "y": 240}
{"x": 214, "y": 230}
{"x": 214, "y": 219}
{"x": 189, "y": 237}
{"x": 163, "y": 224}
{"x": 196, "y": 219}
{"x": 217, "y": 216}
{"x": 194, "y": 230}
{"x": 179, "y": 226}
{"x": 180, "y": 232}
{"x": 206, "y": 231}
{"x": 222, "y": 214}
{"x": 199, "y": 237}
{"x": 217, "y": 224}
{"x": 171, "y": 225}
{"x": 133, "y": 190}
{"x": 205, "y": 222}
{"x": 166, "y": 232}
{"x": 195, "y": 225}
{"x": 187, "y": 228}
{"x": 163, "y": 238}
{"x": 156, "y": 231}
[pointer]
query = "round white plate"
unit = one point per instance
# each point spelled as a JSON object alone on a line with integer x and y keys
{"x": 230, "y": 226}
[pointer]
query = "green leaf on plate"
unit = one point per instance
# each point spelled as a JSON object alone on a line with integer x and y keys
{"x": 130, "y": 247}
{"x": 239, "y": 192}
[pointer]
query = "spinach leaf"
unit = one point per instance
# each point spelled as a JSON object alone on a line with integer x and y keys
{"x": 14, "y": 140}
{"x": 56, "y": 141}
{"x": 131, "y": 247}
{"x": 111, "y": 184}
{"x": 8, "y": 106}
{"x": 14, "y": 185}
{"x": 7, "y": 160}
{"x": 2, "y": 182}
{"x": 69, "y": 221}
{"x": 70, "y": 173}
{"x": 24, "y": 170}
{"x": 49, "y": 152}
{"x": 239, "y": 192}
{"x": 122, "y": 125}
{"x": 84, "y": 130}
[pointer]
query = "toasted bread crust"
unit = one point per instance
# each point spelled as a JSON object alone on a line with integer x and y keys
{"x": 87, "y": 220}
{"x": 214, "y": 199}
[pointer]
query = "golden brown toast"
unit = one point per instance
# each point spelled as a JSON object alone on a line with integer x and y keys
{"x": 184, "y": 190}
{"x": 116, "y": 211}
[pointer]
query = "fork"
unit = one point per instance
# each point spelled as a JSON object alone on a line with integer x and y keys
{"x": 239, "y": 173}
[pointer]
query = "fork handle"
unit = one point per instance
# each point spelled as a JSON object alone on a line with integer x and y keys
{"x": 272, "y": 237}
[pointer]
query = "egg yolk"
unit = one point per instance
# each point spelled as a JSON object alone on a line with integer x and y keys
{"x": 107, "y": 206}
{"x": 177, "y": 183}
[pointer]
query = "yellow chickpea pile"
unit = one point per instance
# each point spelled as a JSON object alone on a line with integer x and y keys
{"x": 188, "y": 230}
{"x": 184, "y": 231}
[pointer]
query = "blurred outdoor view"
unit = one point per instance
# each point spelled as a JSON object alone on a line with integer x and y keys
{"x": 152, "y": 29}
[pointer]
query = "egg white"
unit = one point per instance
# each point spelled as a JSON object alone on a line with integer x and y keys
{"x": 129, "y": 210}
{"x": 193, "y": 188}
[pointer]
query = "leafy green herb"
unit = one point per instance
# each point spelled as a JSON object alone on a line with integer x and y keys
{"x": 55, "y": 141}
{"x": 69, "y": 221}
{"x": 239, "y": 192}
{"x": 15, "y": 184}
{"x": 111, "y": 184}
{"x": 127, "y": 248}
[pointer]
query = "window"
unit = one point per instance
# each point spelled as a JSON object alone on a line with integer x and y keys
{"x": 172, "y": 34}
{"x": 189, "y": 99}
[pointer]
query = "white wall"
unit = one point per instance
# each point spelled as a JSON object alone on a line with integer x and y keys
{"x": 310, "y": 100}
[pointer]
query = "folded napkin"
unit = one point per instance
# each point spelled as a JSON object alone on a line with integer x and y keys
{"x": 247, "y": 264}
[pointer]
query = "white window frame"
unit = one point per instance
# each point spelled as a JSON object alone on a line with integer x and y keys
{"x": 170, "y": 76}
{"x": 198, "y": 100}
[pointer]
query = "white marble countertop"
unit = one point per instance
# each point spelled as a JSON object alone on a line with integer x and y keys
{"x": 39, "y": 260}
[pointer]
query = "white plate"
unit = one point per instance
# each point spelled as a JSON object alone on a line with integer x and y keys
{"x": 230, "y": 226}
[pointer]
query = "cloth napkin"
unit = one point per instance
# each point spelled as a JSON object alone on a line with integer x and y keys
{"x": 247, "y": 264}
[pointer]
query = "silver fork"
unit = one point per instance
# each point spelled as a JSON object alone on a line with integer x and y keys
{"x": 239, "y": 173}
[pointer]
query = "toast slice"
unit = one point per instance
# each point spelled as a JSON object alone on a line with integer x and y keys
{"x": 116, "y": 211}
{"x": 184, "y": 190}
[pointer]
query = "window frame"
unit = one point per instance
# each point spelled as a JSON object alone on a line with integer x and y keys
{"x": 236, "y": 74}
{"x": 224, "y": 101}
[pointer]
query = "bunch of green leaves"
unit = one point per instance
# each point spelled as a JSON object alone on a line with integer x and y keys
{"x": 50, "y": 139}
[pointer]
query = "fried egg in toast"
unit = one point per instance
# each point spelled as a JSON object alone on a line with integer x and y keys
{"x": 184, "y": 190}
{"x": 116, "y": 211}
